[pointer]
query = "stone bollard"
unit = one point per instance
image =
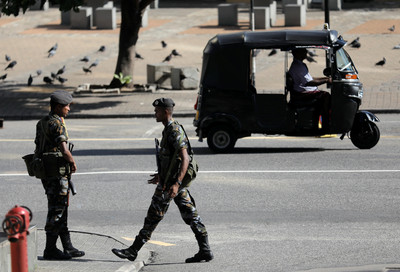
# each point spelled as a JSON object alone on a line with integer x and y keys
{"x": 295, "y": 15}
{"x": 160, "y": 74}
{"x": 185, "y": 78}
{"x": 227, "y": 15}
{"x": 82, "y": 19}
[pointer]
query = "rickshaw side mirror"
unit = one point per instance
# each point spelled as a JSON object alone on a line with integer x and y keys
{"x": 327, "y": 72}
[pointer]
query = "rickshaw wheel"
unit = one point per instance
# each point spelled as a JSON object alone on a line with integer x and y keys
{"x": 365, "y": 136}
{"x": 221, "y": 139}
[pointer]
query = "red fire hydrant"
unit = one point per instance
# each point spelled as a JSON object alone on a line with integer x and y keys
{"x": 16, "y": 225}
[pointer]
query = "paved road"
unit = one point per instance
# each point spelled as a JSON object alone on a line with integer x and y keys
{"x": 281, "y": 204}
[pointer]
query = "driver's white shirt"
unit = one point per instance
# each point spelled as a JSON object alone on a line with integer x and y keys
{"x": 299, "y": 72}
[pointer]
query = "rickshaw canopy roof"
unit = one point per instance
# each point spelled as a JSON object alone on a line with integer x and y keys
{"x": 284, "y": 39}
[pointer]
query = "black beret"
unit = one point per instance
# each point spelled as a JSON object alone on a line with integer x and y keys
{"x": 164, "y": 102}
{"x": 61, "y": 97}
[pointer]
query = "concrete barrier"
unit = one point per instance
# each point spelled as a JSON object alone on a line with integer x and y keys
{"x": 154, "y": 4}
{"x": 83, "y": 19}
{"x": 185, "y": 78}
{"x": 262, "y": 18}
{"x": 333, "y": 5}
{"x": 290, "y": 2}
{"x": 65, "y": 17}
{"x": 272, "y": 13}
{"x": 5, "y": 252}
{"x": 295, "y": 15}
{"x": 227, "y": 15}
{"x": 159, "y": 74}
{"x": 94, "y": 4}
{"x": 36, "y": 6}
{"x": 106, "y": 18}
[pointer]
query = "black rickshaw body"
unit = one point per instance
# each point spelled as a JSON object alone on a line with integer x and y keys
{"x": 229, "y": 107}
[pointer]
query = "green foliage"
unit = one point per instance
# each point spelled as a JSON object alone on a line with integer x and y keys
{"x": 123, "y": 79}
{"x": 13, "y": 7}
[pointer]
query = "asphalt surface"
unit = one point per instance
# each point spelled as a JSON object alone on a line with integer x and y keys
{"x": 27, "y": 38}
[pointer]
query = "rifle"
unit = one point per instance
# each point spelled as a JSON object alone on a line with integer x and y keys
{"x": 71, "y": 185}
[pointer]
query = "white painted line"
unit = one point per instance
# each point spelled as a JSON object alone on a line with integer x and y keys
{"x": 226, "y": 172}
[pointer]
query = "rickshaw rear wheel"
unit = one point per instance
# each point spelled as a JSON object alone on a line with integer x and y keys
{"x": 365, "y": 136}
{"x": 221, "y": 139}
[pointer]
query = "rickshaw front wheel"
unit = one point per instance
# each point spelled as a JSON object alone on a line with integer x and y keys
{"x": 365, "y": 136}
{"x": 221, "y": 139}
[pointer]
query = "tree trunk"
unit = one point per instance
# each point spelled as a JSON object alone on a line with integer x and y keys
{"x": 131, "y": 21}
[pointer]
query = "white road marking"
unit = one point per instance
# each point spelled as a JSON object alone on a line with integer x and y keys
{"x": 226, "y": 172}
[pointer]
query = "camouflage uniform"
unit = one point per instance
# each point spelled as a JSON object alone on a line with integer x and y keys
{"x": 173, "y": 138}
{"x": 56, "y": 188}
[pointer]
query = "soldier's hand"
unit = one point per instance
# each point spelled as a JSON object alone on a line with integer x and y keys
{"x": 173, "y": 190}
{"x": 73, "y": 167}
{"x": 154, "y": 180}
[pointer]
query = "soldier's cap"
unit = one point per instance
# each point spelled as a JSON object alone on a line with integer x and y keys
{"x": 61, "y": 97}
{"x": 164, "y": 102}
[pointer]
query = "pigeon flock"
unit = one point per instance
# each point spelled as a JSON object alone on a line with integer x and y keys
{"x": 88, "y": 67}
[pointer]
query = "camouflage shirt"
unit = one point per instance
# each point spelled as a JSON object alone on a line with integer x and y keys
{"x": 54, "y": 127}
{"x": 173, "y": 140}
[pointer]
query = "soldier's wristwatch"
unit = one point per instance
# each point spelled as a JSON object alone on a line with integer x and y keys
{"x": 179, "y": 182}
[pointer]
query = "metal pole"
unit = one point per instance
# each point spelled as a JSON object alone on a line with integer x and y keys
{"x": 326, "y": 11}
{"x": 253, "y": 59}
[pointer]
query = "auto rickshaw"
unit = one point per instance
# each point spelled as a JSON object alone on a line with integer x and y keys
{"x": 229, "y": 106}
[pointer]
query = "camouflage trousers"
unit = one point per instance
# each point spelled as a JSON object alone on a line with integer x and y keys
{"x": 57, "y": 205}
{"x": 159, "y": 206}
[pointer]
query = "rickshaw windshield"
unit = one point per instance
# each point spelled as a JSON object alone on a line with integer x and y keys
{"x": 343, "y": 62}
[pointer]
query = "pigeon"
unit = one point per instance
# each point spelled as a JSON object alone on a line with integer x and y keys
{"x": 53, "y": 75}
{"x": 61, "y": 71}
{"x": 48, "y": 80}
{"x": 396, "y": 46}
{"x": 8, "y": 58}
{"x": 30, "y": 79}
{"x": 163, "y": 44}
{"x": 3, "y": 77}
{"x": 381, "y": 62}
{"x": 312, "y": 53}
{"x": 273, "y": 52}
{"x": 138, "y": 56}
{"x": 175, "y": 53}
{"x": 94, "y": 64}
{"x": 38, "y": 72}
{"x": 310, "y": 59}
{"x": 61, "y": 79}
{"x": 53, "y": 48}
{"x": 355, "y": 41}
{"x": 11, "y": 64}
{"x": 392, "y": 28}
{"x": 51, "y": 53}
{"x": 356, "y": 45}
{"x": 102, "y": 48}
{"x": 167, "y": 58}
{"x": 85, "y": 59}
{"x": 86, "y": 70}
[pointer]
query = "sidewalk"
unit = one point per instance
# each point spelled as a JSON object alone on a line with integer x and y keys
{"x": 98, "y": 256}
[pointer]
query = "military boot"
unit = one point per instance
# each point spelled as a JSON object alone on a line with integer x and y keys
{"x": 204, "y": 254}
{"x": 131, "y": 252}
{"x": 68, "y": 247}
{"x": 51, "y": 251}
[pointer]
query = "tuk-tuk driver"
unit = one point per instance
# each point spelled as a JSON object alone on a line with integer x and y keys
{"x": 305, "y": 86}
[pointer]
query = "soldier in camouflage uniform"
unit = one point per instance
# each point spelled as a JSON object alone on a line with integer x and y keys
{"x": 52, "y": 136}
{"x": 176, "y": 171}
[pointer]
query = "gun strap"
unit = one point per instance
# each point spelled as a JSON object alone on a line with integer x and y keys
{"x": 174, "y": 158}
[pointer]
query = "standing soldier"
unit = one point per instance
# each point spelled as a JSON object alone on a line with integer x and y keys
{"x": 176, "y": 169}
{"x": 51, "y": 145}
